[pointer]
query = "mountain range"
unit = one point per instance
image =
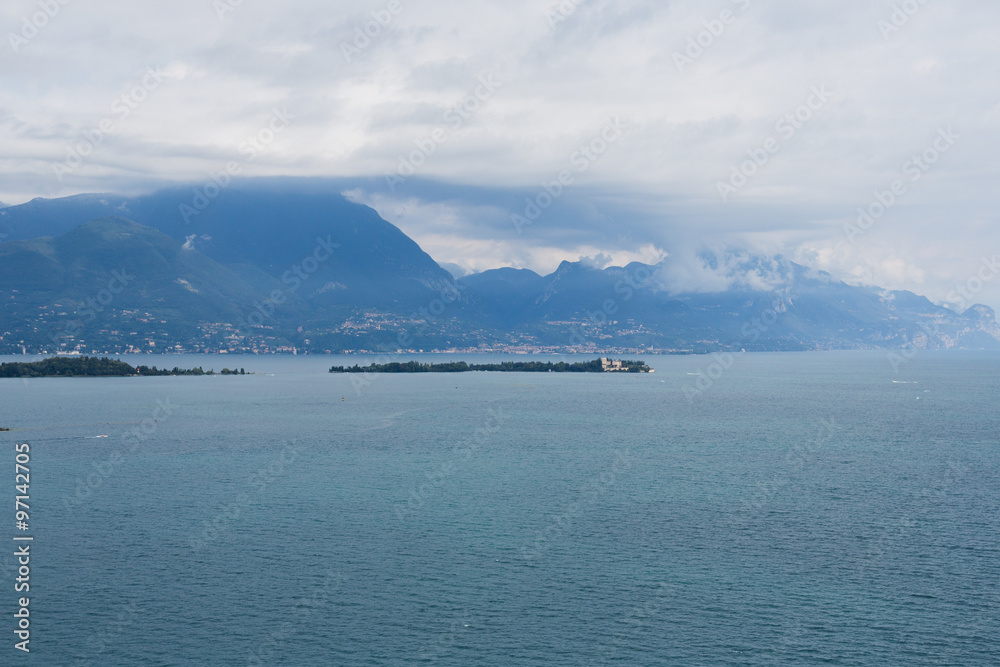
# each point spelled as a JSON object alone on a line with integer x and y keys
{"x": 278, "y": 267}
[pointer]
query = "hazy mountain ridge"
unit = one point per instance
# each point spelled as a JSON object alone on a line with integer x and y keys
{"x": 244, "y": 226}
{"x": 133, "y": 282}
{"x": 269, "y": 269}
{"x": 804, "y": 309}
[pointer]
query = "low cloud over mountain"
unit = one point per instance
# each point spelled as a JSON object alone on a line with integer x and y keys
{"x": 268, "y": 268}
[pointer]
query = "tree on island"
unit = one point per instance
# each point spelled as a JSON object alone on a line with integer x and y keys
{"x": 92, "y": 367}
{"x": 595, "y": 366}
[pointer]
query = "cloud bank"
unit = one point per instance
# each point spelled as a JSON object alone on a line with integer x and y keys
{"x": 773, "y": 124}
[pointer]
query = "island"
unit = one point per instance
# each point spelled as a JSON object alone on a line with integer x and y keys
{"x": 602, "y": 365}
{"x": 94, "y": 367}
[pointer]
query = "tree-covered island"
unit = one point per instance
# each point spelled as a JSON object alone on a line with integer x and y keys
{"x": 94, "y": 367}
{"x": 596, "y": 366}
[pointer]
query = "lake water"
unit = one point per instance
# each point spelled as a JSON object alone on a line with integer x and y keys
{"x": 797, "y": 508}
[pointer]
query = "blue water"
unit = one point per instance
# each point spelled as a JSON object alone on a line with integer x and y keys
{"x": 803, "y": 508}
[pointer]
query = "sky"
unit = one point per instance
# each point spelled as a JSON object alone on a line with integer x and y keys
{"x": 856, "y": 137}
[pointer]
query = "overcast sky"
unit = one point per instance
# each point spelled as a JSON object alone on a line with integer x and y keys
{"x": 446, "y": 117}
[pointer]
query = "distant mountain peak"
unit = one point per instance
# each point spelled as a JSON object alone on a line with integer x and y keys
{"x": 983, "y": 313}
{"x": 455, "y": 270}
{"x": 281, "y": 265}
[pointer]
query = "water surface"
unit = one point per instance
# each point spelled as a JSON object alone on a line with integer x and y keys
{"x": 793, "y": 508}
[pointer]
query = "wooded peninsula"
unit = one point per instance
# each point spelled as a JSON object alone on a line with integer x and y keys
{"x": 94, "y": 367}
{"x": 595, "y": 366}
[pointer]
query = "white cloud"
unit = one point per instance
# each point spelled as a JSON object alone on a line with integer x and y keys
{"x": 686, "y": 130}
